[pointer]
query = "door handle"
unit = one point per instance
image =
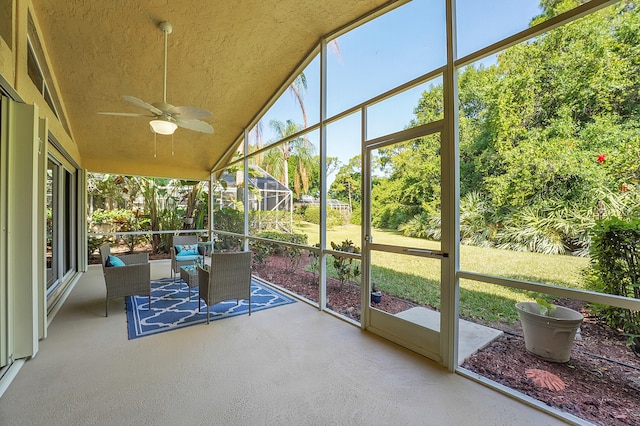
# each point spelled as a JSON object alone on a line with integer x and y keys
{"x": 428, "y": 253}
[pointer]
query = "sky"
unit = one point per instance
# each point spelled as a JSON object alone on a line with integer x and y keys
{"x": 387, "y": 52}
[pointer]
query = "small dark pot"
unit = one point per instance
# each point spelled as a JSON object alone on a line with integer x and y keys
{"x": 376, "y": 297}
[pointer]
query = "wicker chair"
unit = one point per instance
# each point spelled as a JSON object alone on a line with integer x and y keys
{"x": 229, "y": 277}
{"x": 132, "y": 279}
{"x": 180, "y": 240}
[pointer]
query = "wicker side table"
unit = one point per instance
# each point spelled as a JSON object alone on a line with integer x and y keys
{"x": 189, "y": 274}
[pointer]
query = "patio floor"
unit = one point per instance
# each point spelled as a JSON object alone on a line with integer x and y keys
{"x": 288, "y": 365}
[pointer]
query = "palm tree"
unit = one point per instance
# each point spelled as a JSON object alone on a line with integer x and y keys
{"x": 298, "y": 87}
{"x": 300, "y": 150}
{"x": 303, "y": 158}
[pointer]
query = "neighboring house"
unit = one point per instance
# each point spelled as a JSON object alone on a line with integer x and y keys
{"x": 266, "y": 194}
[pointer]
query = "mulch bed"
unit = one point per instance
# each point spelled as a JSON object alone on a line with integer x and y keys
{"x": 341, "y": 298}
{"x": 601, "y": 380}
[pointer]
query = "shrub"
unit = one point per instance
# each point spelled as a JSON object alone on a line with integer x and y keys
{"x": 476, "y": 227}
{"x": 168, "y": 219}
{"x": 269, "y": 219}
{"x": 230, "y": 220}
{"x": 356, "y": 216}
{"x": 334, "y": 217}
{"x": 424, "y": 226}
{"x": 121, "y": 220}
{"x": 263, "y": 249}
{"x": 615, "y": 267}
{"x": 93, "y": 243}
{"x": 344, "y": 266}
{"x": 101, "y": 217}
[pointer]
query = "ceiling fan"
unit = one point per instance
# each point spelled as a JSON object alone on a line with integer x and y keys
{"x": 166, "y": 117}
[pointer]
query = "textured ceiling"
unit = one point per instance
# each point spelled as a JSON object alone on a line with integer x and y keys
{"x": 226, "y": 56}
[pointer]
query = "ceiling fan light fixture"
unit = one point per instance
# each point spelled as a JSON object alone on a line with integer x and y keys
{"x": 163, "y": 127}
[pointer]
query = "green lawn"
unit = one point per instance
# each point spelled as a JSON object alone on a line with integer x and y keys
{"x": 418, "y": 279}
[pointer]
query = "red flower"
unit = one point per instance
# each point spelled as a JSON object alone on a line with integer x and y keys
{"x": 624, "y": 188}
{"x": 601, "y": 158}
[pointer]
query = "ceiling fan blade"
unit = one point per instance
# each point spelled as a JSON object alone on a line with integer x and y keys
{"x": 197, "y": 125}
{"x": 127, "y": 114}
{"x": 189, "y": 113}
{"x": 184, "y": 116}
{"x": 142, "y": 104}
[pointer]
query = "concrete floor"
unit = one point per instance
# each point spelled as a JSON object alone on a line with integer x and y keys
{"x": 472, "y": 336}
{"x": 288, "y": 365}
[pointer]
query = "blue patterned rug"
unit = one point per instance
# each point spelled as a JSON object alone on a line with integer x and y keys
{"x": 171, "y": 308}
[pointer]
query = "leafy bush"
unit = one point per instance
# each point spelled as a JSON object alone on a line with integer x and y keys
{"x": 263, "y": 249}
{"x": 260, "y": 220}
{"x": 121, "y": 220}
{"x": 230, "y": 220}
{"x": 545, "y": 229}
{"x": 168, "y": 219}
{"x": 283, "y": 236}
{"x": 356, "y": 215}
{"x": 423, "y": 225}
{"x": 615, "y": 267}
{"x": 93, "y": 243}
{"x": 101, "y": 217}
{"x": 476, "y": 226}
{"x": 344, "y": 266}
{"x": 314, "y": 266}
{"x": 334, "y": 217}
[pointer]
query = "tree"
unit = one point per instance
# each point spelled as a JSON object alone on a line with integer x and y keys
{"x": 299, "y": 150}
{"x": 546, "y": 135}
{"x": 298, "y": 87}
{"x": 408, "y": 183}
{"x": 151, "y": 189}
{"x": 346, "y": 185}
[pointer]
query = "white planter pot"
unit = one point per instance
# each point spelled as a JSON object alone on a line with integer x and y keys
{"x": 549, "y": 336}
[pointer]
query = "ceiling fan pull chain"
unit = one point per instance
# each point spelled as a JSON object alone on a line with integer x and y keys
{"x": 172, "y": 144}
{"x": 154, "y": 145}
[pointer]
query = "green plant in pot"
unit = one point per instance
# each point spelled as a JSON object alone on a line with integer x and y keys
{"x": 549, "y": 330}
{"x": 376, "y": 294}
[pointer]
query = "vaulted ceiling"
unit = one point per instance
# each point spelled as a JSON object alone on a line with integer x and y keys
{"x": 225, "y": 56}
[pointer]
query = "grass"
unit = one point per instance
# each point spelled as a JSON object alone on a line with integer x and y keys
{"x": 418, "y": 279}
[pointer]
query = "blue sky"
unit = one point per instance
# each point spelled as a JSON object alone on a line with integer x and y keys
{"x": 389, "y": 51}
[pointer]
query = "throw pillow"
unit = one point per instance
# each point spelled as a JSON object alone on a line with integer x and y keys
{"x": 187, "y": 249}
{"x": 114, "y": 261}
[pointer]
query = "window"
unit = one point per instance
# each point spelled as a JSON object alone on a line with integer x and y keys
{"x": 61, "y": 204}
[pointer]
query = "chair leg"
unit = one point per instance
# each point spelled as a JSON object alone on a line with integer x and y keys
{"x": 149, "y": 307}
{"x": 106, "y": 307}
{"x": 207, "y": 314}
{"x": 249, "y": 304}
